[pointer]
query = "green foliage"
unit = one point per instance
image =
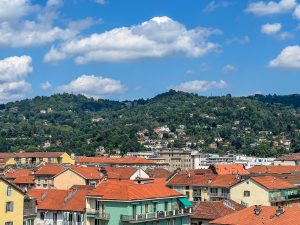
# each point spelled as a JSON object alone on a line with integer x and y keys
{"x": 75, "y": 123}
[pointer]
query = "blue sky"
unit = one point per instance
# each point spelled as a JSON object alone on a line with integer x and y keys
{"x": 133, "y": 49}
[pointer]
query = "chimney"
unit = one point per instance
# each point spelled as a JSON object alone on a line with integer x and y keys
{"x": 279, "y": 210}
{"x": 257, "y": 209}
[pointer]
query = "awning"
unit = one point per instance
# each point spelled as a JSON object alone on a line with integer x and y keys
{"x": 185, "y": 202}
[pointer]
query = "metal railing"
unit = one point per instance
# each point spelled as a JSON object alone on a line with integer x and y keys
{"x": 219, "y": 195}
{"x": 156, "y": 215}
{"x": 29, "y": 211}
{"x": 97, "y": 214}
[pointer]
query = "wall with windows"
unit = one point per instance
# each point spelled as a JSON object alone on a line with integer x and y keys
{"x": 67, "y": 179}
{"x": 60, "y": 218}
{"x": 12, "y": 203}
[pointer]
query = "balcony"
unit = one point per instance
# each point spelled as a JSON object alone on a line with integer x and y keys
{"x": 156, "y": 216}
{"x": 96, "y": 214}
{"x": 283, "y": 198}
{"x": 29, "y": 212}
{"x": 219, "y": 195}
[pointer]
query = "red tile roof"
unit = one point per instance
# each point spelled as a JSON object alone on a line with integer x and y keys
{"x": 189, "y": 179}
{"x": 31, "y": 154}
{"x": 291, "y": 216}
{"x": 15, "y": 173}
{"x": 158, "y": 173}
{"x": 223, "y": 169}
{"x": 108, "y": 160}
{"x": 127, "y": 190}
{"x": 89, "y": 173}
{"x": 289, "y": 157}
{"x": 24, "y": 180}
{"x": 120, "y": 172}
{"x": 274, "y": 169}
{"x": 49, "y": 170}
{"x": 291, "y": 178}
{"x": 216, "y": 209}
{"x": 272, "y": 183}
{"x": 51, "y": 199}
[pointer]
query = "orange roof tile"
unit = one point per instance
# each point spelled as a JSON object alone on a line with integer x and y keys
{"x": 14, "y": 173}
{"x": 31, "y": 154}
{"x": 24, "y": 180}
{"x": 289, "y": 157}
{"x": 274, "y": 169}
{"x": 119, "y": 172}
{"x": 291, "y": 216}
{"x": 272, "y": 183}
{"x": 108, "y": 160}
{"x": 215, "y": 209}
{"x": 127, "y": 190}
{"x": 49, "y": 170}
{"x": 222, "y": 169}
{"x": 89, "y": 173}
{"x": 190, "y": 179}
{"x": 51, "y": 199}
{"x": 158, "y": 173}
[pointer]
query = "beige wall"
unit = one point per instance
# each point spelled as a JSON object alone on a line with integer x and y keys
{"x": 258, "y": 195}
{"x": 67, "y": 179}
{"x": 284, "y": 163}
{"x": 43, "y": 182}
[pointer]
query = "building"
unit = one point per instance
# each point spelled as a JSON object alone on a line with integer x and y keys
{"x": 199, "y": 186}
{"x": 60, "y": 207}
{"x": 266, "y": 191}
{"x": 158, "y": 173}
{"x": 124, "y": 173}
{"x": 23, "y": 178}
{"x": 176, "y": 158}
{"x": 110, "y": 161}
{"x": 288, "y": 160}
{"x": 44, "y": 175}
{"x": 226, "y": 169}
{"x": 16, "y": 207}
{"x": 35, "y": 158}
{"x": 77, "y": 176}
{"x": 204, "y": 212}
{"x": 261, "y": 215}
{"x": 136, "y": 202}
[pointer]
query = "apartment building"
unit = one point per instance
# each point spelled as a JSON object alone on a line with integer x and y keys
{"x": 292, "y": 159}
{"x": 136, "y": 202}
{"x": 176, "y": 158}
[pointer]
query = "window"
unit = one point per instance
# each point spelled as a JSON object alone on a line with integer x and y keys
{"x": 9, "y": 223}
{"x": 9, "y": 206}
{"x": 146, "y": 208}
{"x": 70, "y": 219}
{"x": 42, "y": 215}
{"x": 246, "y": 193}
{"x": 79, "y": 218}
{"x": 187, "y": 193}
{"x": 166, "y": 206}
{"x": 8, "y": 191}
{"x": 97, "y": 222}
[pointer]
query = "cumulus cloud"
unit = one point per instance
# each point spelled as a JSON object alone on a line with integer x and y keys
{"x": 13, "y": 72}
{"x": 156, "y": 38}
{"x": 93, "y": 86}
{"x": 14, "y": 9}
{"x": 296, "y": 13}
{"x": 270, "y": 28}
{"x": 238, "y": 40}
{"x": 213, "y": 5}
{"x": 288, "y": 58}
{"x": 46, "y": 85}
{"x": 228, "y": 68}
{"x": 262, "y": 8}
{"x": 200, "y": 85}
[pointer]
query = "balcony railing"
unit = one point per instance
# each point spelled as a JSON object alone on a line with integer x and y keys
{"x": 282, "y": 198}
{"x": 94, "y": 213}
{"x": 29, "y": 212}
{"x": 156, "y": 215}
{"x": 219, "y": 195}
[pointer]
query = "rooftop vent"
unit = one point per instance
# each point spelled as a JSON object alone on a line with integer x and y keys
{"x": 279, "y": 211}
{"x": 257, "y": 210}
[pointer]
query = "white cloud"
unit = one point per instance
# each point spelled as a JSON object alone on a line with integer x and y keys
{"x": 93, "y": 86}
{"x": 46, "y": 85}
{"x": 13, "y": 71}
{"x": 262, "y": 8}
{"x": 229, "y": 68}
{"x": 200, "y": 85}
{"x": 288, "y": 58}
{"x": 296, "y": 13}
{"x": 213, "y": 5}
{"x": 14, "y": 9}
{"x": 238, "y": 40}
{"x": 156, "y": 38}
{"x": 271, "y": 28}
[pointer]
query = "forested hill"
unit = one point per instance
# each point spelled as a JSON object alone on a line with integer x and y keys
{"x": 256, "y": 125}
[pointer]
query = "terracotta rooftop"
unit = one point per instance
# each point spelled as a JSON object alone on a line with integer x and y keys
{"x": 127, "y": 190}
{"x": 24, "y": 180}
{"x": 267, "y": 216}
{"x": 111, "y": 160}
{"x": 49, "y": 170}
{"x": 89, "y": 173}
{"x": 274, "y": 169}
{"x": 189, "y": 179}
{"x": 215, "y": 209}
{"x": 223, "y": 169}
{"x": 289, "y": 157}
{"x": 55, "y": 200}
{"x": 291, "y": 178}
{"x": 158, "y": 173}
{"x": 119, "y": 172}
{"x": 31, "y": 154}
{"x": 272, "y": 183}
{"x": 15, "y": 173}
